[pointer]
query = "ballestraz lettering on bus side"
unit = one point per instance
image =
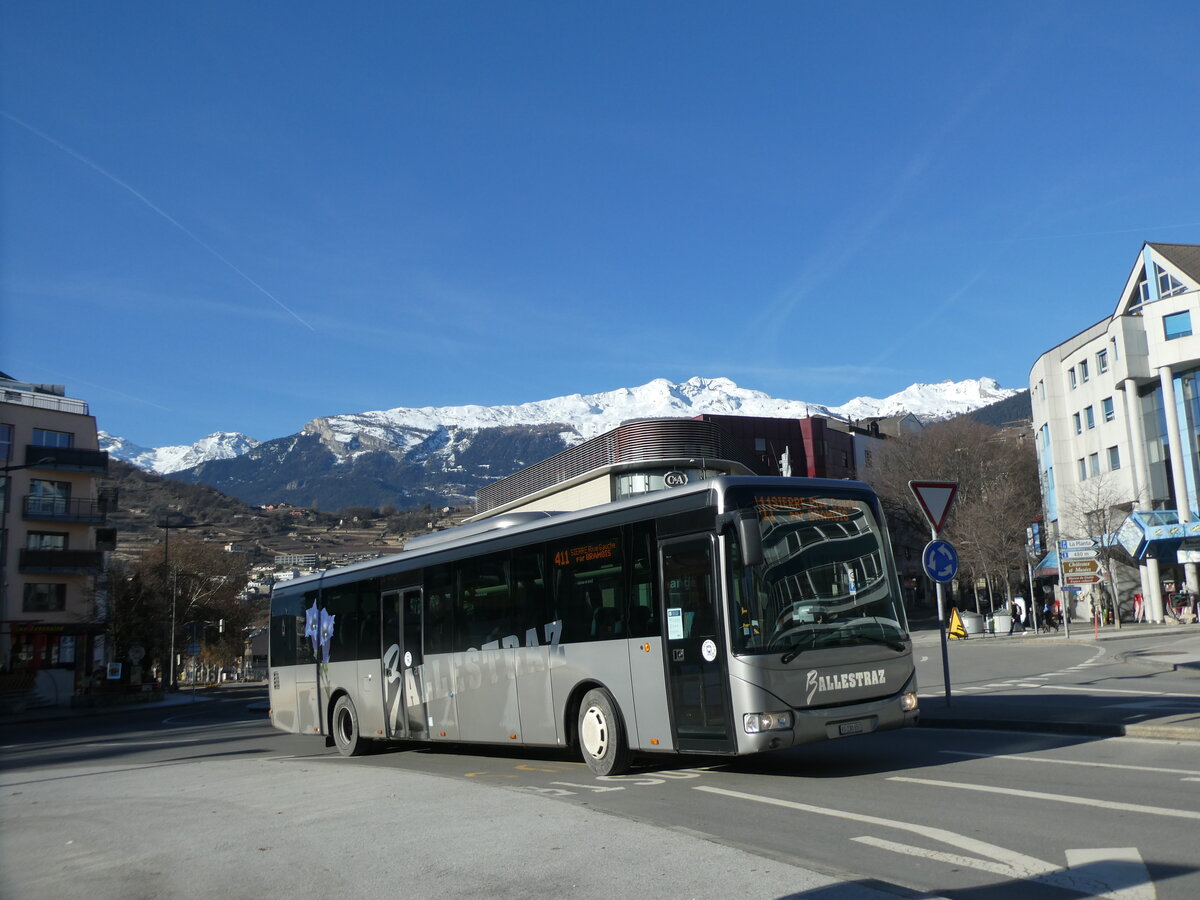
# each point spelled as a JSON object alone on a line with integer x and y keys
{"x": 816, "y": 682}
{"x": 470, "y": 664}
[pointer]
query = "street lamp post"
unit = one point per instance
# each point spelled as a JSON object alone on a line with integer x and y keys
{"x": 166, "y": 526}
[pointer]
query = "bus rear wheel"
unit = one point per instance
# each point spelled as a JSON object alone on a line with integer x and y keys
{"x": 601, "y": 735}
{"x": 346, "y": 734}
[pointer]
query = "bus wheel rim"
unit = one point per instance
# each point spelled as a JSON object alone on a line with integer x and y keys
{"x": 594, "y": 732}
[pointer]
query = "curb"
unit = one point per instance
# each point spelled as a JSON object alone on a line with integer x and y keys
{"x": 1144, "y": 660}
{"x": 1163, "y": 732}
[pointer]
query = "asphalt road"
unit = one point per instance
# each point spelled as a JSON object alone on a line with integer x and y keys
{"x": 204, "y": 799}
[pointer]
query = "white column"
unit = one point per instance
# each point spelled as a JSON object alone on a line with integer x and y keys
{"x": 1137, "y": 446}
{"x": 1154, "y": 599}
{"x": 1166, "y": 378}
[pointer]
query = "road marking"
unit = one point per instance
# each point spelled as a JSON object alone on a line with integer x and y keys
{"x": 1014, "y": 862}
{"x": 1164, "y": 703}
{"x": 1060, "y": 798}
{"x": 594, "y": 788}
{"x": 952, "y": 859}
{"x": 1104, "y": 690}
{"x": 996, "y": 860}
{"x": 1120, "y": 868}
{"x": 1073, "y": 762}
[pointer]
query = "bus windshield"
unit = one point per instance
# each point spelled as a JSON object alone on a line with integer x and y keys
{"x": 822, "y": 576}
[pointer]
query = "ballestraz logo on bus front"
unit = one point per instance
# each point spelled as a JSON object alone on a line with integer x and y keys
{"x": 816, "y": 682}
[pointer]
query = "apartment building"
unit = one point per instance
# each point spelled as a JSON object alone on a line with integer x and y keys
{"x": 52, "y": 536}
{"x": 1116, "y": 414}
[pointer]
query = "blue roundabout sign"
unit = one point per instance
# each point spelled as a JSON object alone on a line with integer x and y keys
{"x": 940, "y": 561}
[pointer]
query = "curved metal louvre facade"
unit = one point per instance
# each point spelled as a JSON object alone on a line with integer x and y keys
{"x": 644, "y": 439}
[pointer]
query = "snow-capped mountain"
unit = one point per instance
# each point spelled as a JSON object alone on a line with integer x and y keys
{"x": 408, "y": 457}
{"x": 588, "y": 415}
{"x": 929, "y": 402}
{"x": 164, "y": 460}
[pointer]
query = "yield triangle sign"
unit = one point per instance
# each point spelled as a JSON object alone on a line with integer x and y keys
{"x": 935, "y": 499}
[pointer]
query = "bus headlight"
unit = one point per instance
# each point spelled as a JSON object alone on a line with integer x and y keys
{"x": 756, "y": 723}
{"x": 908, "y": 701}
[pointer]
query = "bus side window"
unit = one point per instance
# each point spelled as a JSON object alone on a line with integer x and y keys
{"x": 439, "y": 590}
{"x": 573, "y": 608}
{"x": 486, "y": 601}
{"x": 341, "y": 602}
{"x": 643, "y": 621}
{"x": 530, "y": 597}
{"x": 369, "y": 630}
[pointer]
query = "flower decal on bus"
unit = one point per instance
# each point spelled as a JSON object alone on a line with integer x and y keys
{"x": 318, "y": 628}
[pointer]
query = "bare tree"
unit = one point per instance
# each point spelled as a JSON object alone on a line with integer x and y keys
{"x": 1096, "y": 508}
{"x": 199, "y": 593}
{"x": 998, "y": 494}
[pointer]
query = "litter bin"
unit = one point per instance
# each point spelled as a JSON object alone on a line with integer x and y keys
{"x": 1001, "y": 623}
{"x": 973, "y": 623}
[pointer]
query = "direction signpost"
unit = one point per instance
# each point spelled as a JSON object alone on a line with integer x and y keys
{"x": 1077, "y": 566}
{"x": 939, "y": 559}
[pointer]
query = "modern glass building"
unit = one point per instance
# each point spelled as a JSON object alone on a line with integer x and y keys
{"x": 1116, "y": 411}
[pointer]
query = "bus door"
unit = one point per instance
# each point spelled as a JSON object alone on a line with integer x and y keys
{"x": 403, "y": 693}
{"x": 696, "y": 668}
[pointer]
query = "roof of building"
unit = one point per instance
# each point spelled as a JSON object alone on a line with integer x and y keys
{"x": 1185, "y": 256}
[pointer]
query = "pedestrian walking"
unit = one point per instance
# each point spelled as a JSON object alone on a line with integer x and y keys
{"x": 1014, "y": 614}
{"x": 1139, "y": 607}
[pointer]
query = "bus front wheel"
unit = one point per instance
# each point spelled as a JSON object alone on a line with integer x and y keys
{"x": 601, "y": 734}
{"x": 346, "y": 734}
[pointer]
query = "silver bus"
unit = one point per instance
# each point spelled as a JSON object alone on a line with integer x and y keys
{"x": 727, "y": 617}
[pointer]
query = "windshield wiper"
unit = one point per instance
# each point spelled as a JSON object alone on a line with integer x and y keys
{"x": 794, "y": 651}
{"x": 890, "y": 643}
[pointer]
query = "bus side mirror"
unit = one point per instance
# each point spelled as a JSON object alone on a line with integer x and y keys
{"x": 749, "y": 537}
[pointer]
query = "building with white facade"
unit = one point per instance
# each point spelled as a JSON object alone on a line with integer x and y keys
{"x": 1116, "y": 413}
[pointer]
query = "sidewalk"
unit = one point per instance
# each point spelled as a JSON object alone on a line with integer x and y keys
{"x": 1126, "y": 711}
{"x": 256, "y": 699}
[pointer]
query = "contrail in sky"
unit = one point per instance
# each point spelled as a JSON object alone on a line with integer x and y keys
{"x": 145, "y": 200}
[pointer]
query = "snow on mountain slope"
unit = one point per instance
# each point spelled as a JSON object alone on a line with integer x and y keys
{"x": 581, "y": 416}
{"x": 929, "y": 401}
{"x": 218, "y": 445}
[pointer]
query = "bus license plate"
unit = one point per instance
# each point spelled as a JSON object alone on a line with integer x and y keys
{"x": 850, "y": 728}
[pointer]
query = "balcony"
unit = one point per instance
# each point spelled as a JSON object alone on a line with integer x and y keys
{"x": 106, "y": 538}
{"x": 57, "y": 509}
{"x": 66, "y": 459}
{"x": 61, "y": 562}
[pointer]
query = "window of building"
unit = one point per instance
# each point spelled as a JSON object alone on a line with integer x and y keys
{"x": 1102, "y": 361}
{"x": 1082, "y": 465}
{"x": 1109, "y": 412}
{"x": 1078, "y": 423}
{"x": 44, "y": 598}
{"x": 1177, "y": 325}
{"x": 49, "y": 497}
{"x": 1071, "y": 378}
{"x": 1144, "y": 289}
{"x": 1083, "y": 370}
{"x": 44, "y": 438}
{"x": 1114, "y": 459}
{"x": 1094, "y": 464}
{"x": 1090, "y": 416}
{"x": 1168, "y": 284}
{"x": 46, "y": 540}
{"x": 5, "y": 443}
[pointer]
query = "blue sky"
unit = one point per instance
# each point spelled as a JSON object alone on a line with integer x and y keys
{"x": 239, "y": 216}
